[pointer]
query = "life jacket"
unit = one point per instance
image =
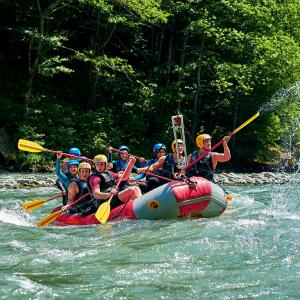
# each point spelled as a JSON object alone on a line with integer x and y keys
{"x": 85, "y": 206}
{"x": 119, "y": 165}
{"x": 82, "y": 189}
{"x": 157, "y": 172}
{"x": 107, "y": 182}
{"x": 169, "y": 167}
{"x": 202, "y": 168}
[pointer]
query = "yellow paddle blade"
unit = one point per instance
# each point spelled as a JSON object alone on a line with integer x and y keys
{"x": 29, "y": 146}
{"x": 103, "y": 212}
{"x": 49, "y": 219}
{"x": 245, "y": 123}
{"x": 31, "y": 205}
{"x": 229, "y": 197}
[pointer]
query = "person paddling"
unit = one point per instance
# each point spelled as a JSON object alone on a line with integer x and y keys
{"x": 101, "y": 183}
{"x": 206, "y": 166}
{"x": 64, "y": 178}
{"x": 167, "y": 164}
{"x": 77, "y": 189}
{"x": 120, "y": 165}
{"x": 152, "y": 182}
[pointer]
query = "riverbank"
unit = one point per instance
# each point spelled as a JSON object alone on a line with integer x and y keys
{"x": 33, "y": 180}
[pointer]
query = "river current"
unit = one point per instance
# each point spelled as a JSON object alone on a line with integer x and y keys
{"x": 252, "y": 251}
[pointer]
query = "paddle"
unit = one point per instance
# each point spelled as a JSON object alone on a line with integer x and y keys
{"x": 33, "y": 147}
{"x": 31, "y": 205}
{"x": 103, "y": 211}
{"x": 50, "y": 218}
{"x": 221, "y": 142}
{"x": 158, "y": 176}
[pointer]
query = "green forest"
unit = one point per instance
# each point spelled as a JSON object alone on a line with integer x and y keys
{"x": 94, "y": 73}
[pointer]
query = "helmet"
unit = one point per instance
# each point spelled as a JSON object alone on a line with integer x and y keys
{"x": 72, "y": 162}
{"x": 100, "y": 158}
{"x": 179, "y": 141}
{"x": 74, "y": 151}
{"x": 158, "y": 147}
{"x": 123, "y": 148}
{"x": 84, "y": 165}
{"x": 200, "y": 139}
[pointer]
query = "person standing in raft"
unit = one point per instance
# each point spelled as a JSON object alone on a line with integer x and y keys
{"x": 205, "y": 167}
{"x": 101, "y": 183}
{"x": 77, "y": 189}
{"x": 64, "y": 178}
{"x": 152, "y": 182}
{"x": 167, "y": 164}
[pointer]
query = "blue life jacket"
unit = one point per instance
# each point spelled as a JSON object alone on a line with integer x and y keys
{"x": 120, "y": 165}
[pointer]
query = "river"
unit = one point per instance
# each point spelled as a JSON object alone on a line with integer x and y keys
{"x": 251, "y": 251}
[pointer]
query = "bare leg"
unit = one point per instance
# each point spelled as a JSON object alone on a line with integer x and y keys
{"x": 130, "y": 193}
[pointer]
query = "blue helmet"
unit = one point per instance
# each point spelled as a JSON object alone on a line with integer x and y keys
{"x": 74, "y": 151}
{"x": 123, "y": 148}
{"x": 72, "y": 162}
{"x": 158, "y": 147}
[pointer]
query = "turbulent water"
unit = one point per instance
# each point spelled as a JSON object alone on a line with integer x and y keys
{"x": 251, "y": 251}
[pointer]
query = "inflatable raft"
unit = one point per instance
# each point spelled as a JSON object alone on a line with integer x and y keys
{"x": 196, "y": 197}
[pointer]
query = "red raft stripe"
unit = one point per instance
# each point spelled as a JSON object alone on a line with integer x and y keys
{"x": 192, "y": 207}
{"x": 119, "y": 214}
{"x": 183, "y": 191}
{"x": 75, "y": 219}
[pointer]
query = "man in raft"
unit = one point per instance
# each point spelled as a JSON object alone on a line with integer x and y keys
{"x": 101, "y": 183}
{"x": 205, "y": 167}
{"x": 167, "y": 164}
{"x": 152, "y": 182}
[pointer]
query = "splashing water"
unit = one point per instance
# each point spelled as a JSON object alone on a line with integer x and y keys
{"x": 287, "y": 97}
{"x": 281, "y": 97}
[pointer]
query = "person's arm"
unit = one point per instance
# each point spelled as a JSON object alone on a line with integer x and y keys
{"x": 128, "y": 169}
{"x": 110, "y": 156}
{"x": 134, "y": 169}
{"x": 94, "y": 182}
{"x": 154, "y": 166}
{"x": 57, "y": 167}
{"x": 72, "y": 192}
{"x": 63, "y": 178}
{"x": 222, "y": 157}
{"x": 188, "y": 160}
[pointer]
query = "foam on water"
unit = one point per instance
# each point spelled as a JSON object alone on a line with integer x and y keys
{"x": 251, "y": 251}
{"x": 15, "y": 217}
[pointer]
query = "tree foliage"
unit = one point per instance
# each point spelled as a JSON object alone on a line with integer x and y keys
{"x": 93, "y": 73}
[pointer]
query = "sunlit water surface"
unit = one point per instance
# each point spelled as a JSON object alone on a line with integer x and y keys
{"x": 250, "y": 252}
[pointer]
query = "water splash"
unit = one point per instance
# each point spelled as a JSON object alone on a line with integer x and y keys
{"x": 282, "y": 97}
{"x": 13, "y": 217}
